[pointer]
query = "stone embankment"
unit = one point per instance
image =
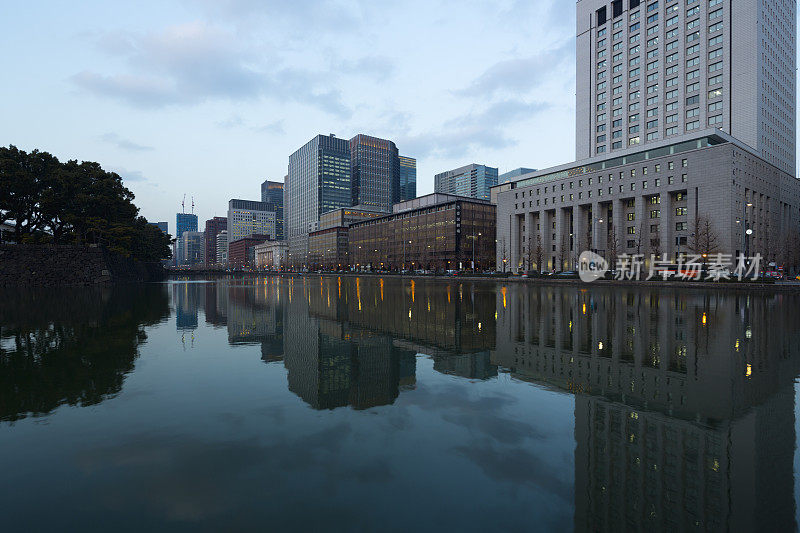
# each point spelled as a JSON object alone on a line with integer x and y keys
{"x": 63, "y": 265}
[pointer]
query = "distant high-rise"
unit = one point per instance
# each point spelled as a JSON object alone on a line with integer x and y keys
{"x": 272, "y": 192}
{"x": 213, "y": 227}
{"x": 318, "y": 182}
{"x": 473, "y": 181}
{"x": 375, "y": 173}
{"x": 222, "y": 247}
{"x": 408, "y": 178}
{"x": 163, "y": 226}
{"x": 183, "y": 222}
{"x": 517, "y": 172}
{"x": 249, "y": 217}
{"x": 193, "y": 248}
{"x": 650, "y": 71}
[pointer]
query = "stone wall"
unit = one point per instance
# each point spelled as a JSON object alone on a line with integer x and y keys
{"x": 52, "y": 265}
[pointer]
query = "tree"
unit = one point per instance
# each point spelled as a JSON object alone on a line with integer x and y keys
{"x": 535, "y": 254}
{"x": 704, "y": 240}
{"x": 613, "y": 247}
{"x": 72, "y": 202}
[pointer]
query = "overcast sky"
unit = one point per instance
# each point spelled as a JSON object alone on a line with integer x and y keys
{"x": 209, "y": 97}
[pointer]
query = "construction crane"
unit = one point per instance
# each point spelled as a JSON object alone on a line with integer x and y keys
{"x": 183, "y": 204}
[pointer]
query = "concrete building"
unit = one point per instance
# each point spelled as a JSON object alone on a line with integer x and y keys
{"x": 213, "y": 228}
{"x": 472, "y": 181}
{"x": 221, "y": 252}
{"x": 517, "y": 172}
{"x": 650, "y": 71}
{"x": 271, "y": 255}
{"x": 328, "y": 247}
{"x": 408, "y": 178}
{"x": 375, "y": 173}
{"x": 649, "y": 200}
{"x": 318, "y": 181}
{"x": 193, "y": 248}
{"x": 248, "y": 217}
{"x": 437, "y": 232}
{"x": 272, "y": 192}
{"x": 241, "y": 253}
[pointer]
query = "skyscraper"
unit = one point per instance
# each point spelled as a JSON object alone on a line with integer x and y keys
{"x": 318, "y": 181}
{"x": 183, "y": 222}
{"x": 375, "y": 173}
{"x": 473, "y": 181}
{"x": 648, "y": 71}
{"x": 408, "y": 178}
{"x": 272, "y": 192}
{"x": 213, "y": 227}
{"x": 248, "y": 217}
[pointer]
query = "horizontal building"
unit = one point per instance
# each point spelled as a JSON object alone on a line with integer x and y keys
{"x": 250, "y": 217}
{"x": 271, "y": 255}
{"x": 473, "y": 181}
{"x": 328, "y": 247}
{"x": 711, "y": 194}
{"x": 439, "y": 235}
{"x": 241, "y": 253}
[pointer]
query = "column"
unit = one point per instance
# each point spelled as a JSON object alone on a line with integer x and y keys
{"x": 559, "y": 242}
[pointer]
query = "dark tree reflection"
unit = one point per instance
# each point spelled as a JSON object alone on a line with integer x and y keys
{"x": 71, "y": 346}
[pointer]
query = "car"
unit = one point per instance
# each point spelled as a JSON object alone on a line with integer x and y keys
{"x": 452, "y": 272}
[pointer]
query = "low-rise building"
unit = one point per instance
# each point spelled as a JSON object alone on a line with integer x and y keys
{"x": 709, "y": 195}
{"x": 241, "y": 253}
{"x": 271, "y": 255}
{"x": 434, "y": 232}
{"x": 328, "y": 246}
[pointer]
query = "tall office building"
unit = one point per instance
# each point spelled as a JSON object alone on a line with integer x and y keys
{"x": 472, "y": 181}
{"x": 272, "y": 192}
{"x": 375, "y": 173}
{"x": 222, "y": 247}
{"x": 516, "y": 173}
{"x": 163, "y": 226}
{"x": 248, "y": 217}
{"x": 213, "y": 227}
{"x": 318, "y": 182}
{"x": 183, "y": 222}
{"x": 193, "y": 248}
{"x": 648, "y": 71}
{"x": 408, "y": 178}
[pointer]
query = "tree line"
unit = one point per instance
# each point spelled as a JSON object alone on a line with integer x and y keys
{"x": 47, "y": 201}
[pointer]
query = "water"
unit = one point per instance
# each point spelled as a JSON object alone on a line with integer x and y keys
{"x": 369, "y": 404}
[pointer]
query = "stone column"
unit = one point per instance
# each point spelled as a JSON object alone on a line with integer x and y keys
{"x": 560, "y": 232}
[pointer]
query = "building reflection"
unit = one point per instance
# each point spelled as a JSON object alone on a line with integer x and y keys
{"x": 684, "y": 401}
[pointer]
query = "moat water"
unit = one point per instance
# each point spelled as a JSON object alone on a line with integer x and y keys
{"x": 386, "y": 404}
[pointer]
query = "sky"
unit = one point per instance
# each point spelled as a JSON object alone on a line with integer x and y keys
{"x": 208, "y": 98}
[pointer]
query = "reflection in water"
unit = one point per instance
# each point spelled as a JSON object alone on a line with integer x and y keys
{"x": 684, "y": 412}
{"x": 684, "y": 401}
{"x": 70, "y": 346}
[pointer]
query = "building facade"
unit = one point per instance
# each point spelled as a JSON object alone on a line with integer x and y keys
{"x": 221, "y": 252}
{"x": 516, "y": 173}
{"x": 271, "y": 255}
{"x": 648, "y": 71}
{"x": 213, "y": 228}
{"x": 163, "y": 226}
{"x": 183, "y": 222}
{"x": 408, "y": 178}
{"x": 248, "y": 217}
{"x": 241, "y": 253}
{"x": 472, "y": 181}
{"x": 318, "y": 181}
{"x": 665, "y": 199}
{"x": 375, "y": 173}
{"x": 193, "y": 248}
{"x": 438, "y": 235}
{"x": 328, "y": 247}
{"x": 272, "y": 192}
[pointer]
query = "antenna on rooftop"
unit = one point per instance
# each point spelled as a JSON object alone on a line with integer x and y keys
{"x": 192, "y": 204}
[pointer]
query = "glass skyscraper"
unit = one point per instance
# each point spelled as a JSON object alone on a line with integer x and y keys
{"x": 408, "y": 178}
{"x": 473, "y": 181}
{"x": 375, "y": 167}
{"x": 318, "y": 182}
{"x": 272, "y": 192}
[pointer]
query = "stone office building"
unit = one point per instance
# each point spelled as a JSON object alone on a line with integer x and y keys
{"x": 663, "y": 198}
{"x": 328, "y": 247}
{"x": 433, "y": 232}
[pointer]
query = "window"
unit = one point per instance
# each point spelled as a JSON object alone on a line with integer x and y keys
{"x": 633, "y": 118}
{"x": 634, "y": 39}
{"x": 672, "y": 70}
{"x": 692, "y": 112}
{"x": 672, "y": 94}
{"x": 601, "y": 127}
{"x": 601, "y": 53}
{"x": 653, "y": 228}
{"x": 631, "y": 230}
{"x": 616, "y": 145}
{"x": 692, "y": 75}
{"x": 716, "y": 93}
{"x": 692, "y": 100}
{"x": 695, "y": 124}
{"x": 652, "y": 136}
{"x": 681, "y": 211}
{"x": 653, "y": 29}
{"x": 634, "y": 95}
{"x": 716, "y": 106}
{"x": 652, "y": 65}
{"x": 601, "y": 117}
{"x": 652, "y": 77}
{"x": 652, "y": 42}
{"x": 601, "y": 32}
{"x": 672, "y": 131}
{"x": 601, "y": 86}
{"x": 601, "y": 139}
{"x": 692, "y": 62}
{"x": 693, "y": 11}
{"x": 715, "y": 27}
{"x": 672, "y": 57}
{"x": 631, "y": 217}
{"x": 713, "y": 54}
{"x": 617, "y": 36}
{"x": 633, "y": 107}
{"x": 715, "y": 66}
{"x": 692, "y": 87}
{"x": 671, "y": 21}
{"x": 617, "y": 101}
{"x": 617, "y": 123}
{"x": 693, "y": 37}
{"x": 601, "y": 75}
{"x": 672, "y": 106}
{"x": 653, "y": 100}
{"x": 601, "y": 107}
{"x": 658, "y": 184}
{"x": 684, "y": 163}
{"x": 715, "y": 120}
{"x": 670, "y": 180}
{"x": 655, "y": 213}
{"x": 652, "y": 124}
{"x": 672, "y": 82}
{"x": 680, "y": 226}
{"x": 715, "y": 41}
{"x": 652, "y": 112}
{"x": 683, "y": 178}
{"x": 672, "y": 46}
{"x": 692, "y": 24}
{"x": 714, "y": 80}
{"x": 634, "y": 72}
{"x": 634, "y": 27}
{"x": 652, "y": 89}
{"x": 633, "y": 129}
{"x": 631, "y": 142}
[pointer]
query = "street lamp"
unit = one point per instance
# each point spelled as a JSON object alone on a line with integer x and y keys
{"x": 746, "y": 232}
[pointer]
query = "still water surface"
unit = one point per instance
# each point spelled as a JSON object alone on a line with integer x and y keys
{"x": 369, "y": 404}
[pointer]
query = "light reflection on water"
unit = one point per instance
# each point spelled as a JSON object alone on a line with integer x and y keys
{"x": 366, "y": 403}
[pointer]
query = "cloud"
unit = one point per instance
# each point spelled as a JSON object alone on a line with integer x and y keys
{"x": 273, "y": 127}
{"x": 478, "y": 130}
{"x": 129, "y": 175}
{"x": 231, "y": 122}
{"x": 193, "y": 63}
{"x": 522, "y": 74}
{"x": 124, "y": 144}
{"x": 378, "y": 67}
